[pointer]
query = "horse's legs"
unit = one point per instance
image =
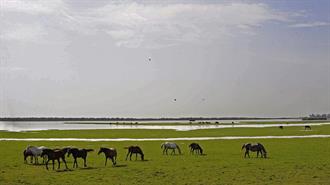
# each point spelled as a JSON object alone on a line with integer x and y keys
{"x": 127, "y": 155}
{"x": 135, "y": 156}
{"x": 74, "y": 162}
{"x": 246, "y": 153}
{"x": 53, "y": 164}
{"x": 84, "y": 162}
{"x": 47, "y": 164}
{"x": 257, "y": 153}
{"x": 113, "y": 161}
{"x": 59, "y": 164}
{"x": 130, "y": 156}
{"x": 164, "y": 150}
{"x": 66, "y": 166}
{"x": 106, "y": 159}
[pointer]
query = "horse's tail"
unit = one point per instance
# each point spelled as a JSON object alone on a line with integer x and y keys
{"x": 177, "y": 146}
{"x": 89, "y": 150}
{"x": 161, "y": 146}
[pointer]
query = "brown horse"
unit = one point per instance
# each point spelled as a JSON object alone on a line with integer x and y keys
{"x": 55, "y": 155}
{"x": 195, "y": 146}
{"x": 136, "y": 150}
{"x": 76, "y": 153}
{"x": 26, "y": 154}
{"x": 259, "y": 148}
{"x": 110, "y": 153}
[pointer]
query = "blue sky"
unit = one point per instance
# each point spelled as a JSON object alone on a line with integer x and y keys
{"x": 217, "y": 58}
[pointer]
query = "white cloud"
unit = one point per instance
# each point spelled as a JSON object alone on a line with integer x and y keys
{"x": 310, "y": 24}
{"x": 132, "y": 24}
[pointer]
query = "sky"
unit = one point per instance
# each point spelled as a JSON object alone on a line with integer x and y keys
{"x": 207, "y": 58}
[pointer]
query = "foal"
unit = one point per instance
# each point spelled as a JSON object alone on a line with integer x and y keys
{"x": 136, "y": 150}
{"x": 110, "y": 153}
{"x": 55, "y": 155}
{"x": 195, "y": 146}
{"x": 76, "y": 153}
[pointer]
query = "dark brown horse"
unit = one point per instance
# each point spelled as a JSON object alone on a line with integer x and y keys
{"x": 26, "y": 154}
{"x": 136, "y": 150}
{"x": 259, "y": 148}
{"x": 55, "y": 155}
{"x": 110, "y": 153}
{"x": 195, "y": 147}
{"x": 307, "y": 127}
{"x": 76, "y": 153}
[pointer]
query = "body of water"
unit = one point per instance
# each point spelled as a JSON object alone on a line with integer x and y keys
{"x": 50, "y": 125}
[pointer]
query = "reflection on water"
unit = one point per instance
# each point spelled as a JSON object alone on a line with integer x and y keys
{"x": 51, "y": 125}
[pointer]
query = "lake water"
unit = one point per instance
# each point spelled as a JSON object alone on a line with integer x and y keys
{"x": 51, "y": 125}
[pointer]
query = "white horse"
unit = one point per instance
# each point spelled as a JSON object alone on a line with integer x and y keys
{"x": 168, "y": 145}
{"x": 36, "y": 152}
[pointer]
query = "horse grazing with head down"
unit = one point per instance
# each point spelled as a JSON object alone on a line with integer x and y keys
{"x": 26, "y": 154}
{"x": 259, "y": 148}
{"x": 169, "y": 145}
{"x": 134, "y": 150}
{"x": 79, "y": 153}
{"x": 110, "y": 153}
{"x": 55, "y": 155}
{"x": 195, "y": 147}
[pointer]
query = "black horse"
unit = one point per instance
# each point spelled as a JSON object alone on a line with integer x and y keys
{"x": 195, "y": 147}
{"x": 55, "y": 155}
{"x": 110, "y": 153}
{"x": 259, "y": 148}
{"x": 26, "y": 154}
{"x": 307, "y": 127}
{"x": 76, "y": 153}
{"x": 136, "y": 150}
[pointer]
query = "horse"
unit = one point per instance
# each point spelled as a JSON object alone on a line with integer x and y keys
{"x": 308, "y": 127}
{"x": 281, "y": 127}
{"x": 195, "y": 146}
{"x": 76, "y": 153}
{"x": 109, "y": 153}
{"x": 168, "y": 145}
{"x": 26, "y": 154}
{"x": 254, "y": 148}
{"x": 36, "y": 152}
{"x": 55, "y": 155}
{"x": 136, "y": 150}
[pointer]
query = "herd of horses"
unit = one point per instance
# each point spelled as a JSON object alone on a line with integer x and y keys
{"x": 57, "y": 154}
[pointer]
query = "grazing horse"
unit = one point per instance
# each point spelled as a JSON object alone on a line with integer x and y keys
{"x": 195, "y": 146}
{"x": 26, "y": 154}
{"x": 136, "y": 150}
{"x": 56, "y": 154}
{"x": 281, "y": 127}
{"x": 254, "y": 148}
{"x": 168, "y": 145}
{"x": 36, "y": 152}
{"x": 308, "y": 127}
{"x": 76, "y": 153}
{"x": 109, "y": 153}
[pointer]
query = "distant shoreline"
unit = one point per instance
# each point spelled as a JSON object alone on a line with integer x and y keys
{"x": 137, "y": 119}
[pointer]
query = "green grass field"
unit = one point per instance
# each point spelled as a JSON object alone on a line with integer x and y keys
{"x": 291, "y": 161}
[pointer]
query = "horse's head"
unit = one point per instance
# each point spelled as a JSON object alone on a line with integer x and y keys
{"x": 100, "y": 151}
{"x": 201, "y": 150}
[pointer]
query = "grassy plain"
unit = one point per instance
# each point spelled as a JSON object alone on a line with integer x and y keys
{"x": 291, "y": 161}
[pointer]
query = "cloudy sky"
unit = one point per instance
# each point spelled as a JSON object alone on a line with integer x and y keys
{"x": 216, "y": 58}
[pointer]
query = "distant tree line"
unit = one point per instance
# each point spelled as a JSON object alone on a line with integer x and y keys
{"x": 130, "y": 119}
{"x": 317, "y": 117}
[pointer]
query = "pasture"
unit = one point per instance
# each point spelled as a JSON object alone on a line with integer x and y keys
{"x": 291, "y": 161}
